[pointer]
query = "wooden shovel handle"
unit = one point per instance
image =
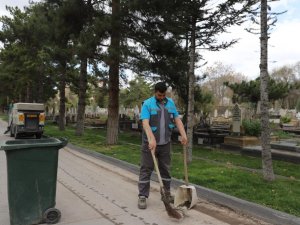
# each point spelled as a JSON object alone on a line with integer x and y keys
{"x": 186, "y": 177}
{"x": 161, "y": 184}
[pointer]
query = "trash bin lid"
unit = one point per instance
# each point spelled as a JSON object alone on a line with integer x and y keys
{"x": 32, "y": 143}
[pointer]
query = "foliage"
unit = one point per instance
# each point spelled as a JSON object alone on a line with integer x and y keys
{"x": 298, "y": 105}
{"x": 203, "y": 101}
{"x": 100, "y": 94}
{"x": 45, "y": 44}
{"x": 24, "y": 57}
{"x": 216, "y": 75}
{"x": 288, "y": 74}
{"x": 282, "y": 134}
{"x": 166, "y": 26}
{"x": 4, "y": 117}
{"x": 250, "y": 91}
{"x": 138, "y": 91}
{"x": 285, "y": 119}
{"x": 252, "y": 127}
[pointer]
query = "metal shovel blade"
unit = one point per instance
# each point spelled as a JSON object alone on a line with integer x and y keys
{"x": 186, "y": 195}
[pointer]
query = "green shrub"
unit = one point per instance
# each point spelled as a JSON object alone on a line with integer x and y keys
{"x": 282, "y": 135}
{"x": 285, "y": 119}
{"x": 252, "y": 127}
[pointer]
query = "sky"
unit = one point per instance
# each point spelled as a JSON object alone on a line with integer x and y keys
{"x": 284, "y": 47}
{"x": 243, "y": 57}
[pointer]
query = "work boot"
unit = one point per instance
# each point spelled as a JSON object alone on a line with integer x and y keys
{"x": 142, "y": 204}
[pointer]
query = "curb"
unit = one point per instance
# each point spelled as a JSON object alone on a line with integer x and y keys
{"x": 239, "y": 205}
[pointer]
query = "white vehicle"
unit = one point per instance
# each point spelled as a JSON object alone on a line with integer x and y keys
{"x": 27, "y": 119}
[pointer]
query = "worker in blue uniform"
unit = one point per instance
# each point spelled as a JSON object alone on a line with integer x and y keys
{"x": 159, "y": 117}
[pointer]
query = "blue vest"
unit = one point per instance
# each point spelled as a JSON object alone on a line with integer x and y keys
{"x": 151, "y": 110}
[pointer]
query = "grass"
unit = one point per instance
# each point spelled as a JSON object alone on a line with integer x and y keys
{"x": 4, "y": 117}
{"x": 227, "y": 172}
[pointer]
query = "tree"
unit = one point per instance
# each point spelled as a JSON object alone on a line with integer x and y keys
{"x": 250, "y": 91}
{"x": 113, "y": 82}
{"x": 63, "y": 23}
{"x": 164, "y": 27}
{"x": 137, "y": 91}
{"x": 288, "y": 74}
{"x": 204, "y": 100}
{"x": 87, "y": 48}
{"x": 159, "y": 28}
{"x": 217, "y": 75}
{"x": 100, "y": 94}
{"x": 71, "y": 45}
{"x": 138, "y": 23}
{"x": 24, "y": 58}
{"x": 264, "y": 97}
{"x": 201, "y": 25}
{"x": 267, "y": 20}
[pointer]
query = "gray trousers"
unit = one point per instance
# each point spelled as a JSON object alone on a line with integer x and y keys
{"x": 163, "y": 155}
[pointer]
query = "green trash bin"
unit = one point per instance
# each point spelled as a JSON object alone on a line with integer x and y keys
{"x": 31, "y": 179}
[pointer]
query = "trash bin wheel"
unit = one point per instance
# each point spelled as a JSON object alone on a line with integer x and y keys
{"x": 52, "y": 216}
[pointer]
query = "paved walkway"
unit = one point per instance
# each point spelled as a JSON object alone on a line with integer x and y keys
{"x": 93, "y": 192}
{"x": 90, "y": 192}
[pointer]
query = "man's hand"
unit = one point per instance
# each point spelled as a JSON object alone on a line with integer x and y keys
{"x": 152, "y": 144}
{"x": 182, "y": 132}
{"x": 184, "y": 140}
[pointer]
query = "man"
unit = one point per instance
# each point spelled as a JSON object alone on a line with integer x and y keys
{"x": 159, "y": 116}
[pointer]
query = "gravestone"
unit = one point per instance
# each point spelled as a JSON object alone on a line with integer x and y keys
{"x": 216, "y": 113}
{"x": 236, "y": 120}
{"x": 258, "y": 111}
{"x": 226, "y": 114}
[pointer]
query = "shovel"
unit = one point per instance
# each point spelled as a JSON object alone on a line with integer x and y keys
{"x": 186, "y": 194}
{"x": 170, "y": 210}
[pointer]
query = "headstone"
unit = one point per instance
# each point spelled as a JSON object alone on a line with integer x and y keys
{"x": 282, "y": 112}
{"x": 136, "y": 110}
{"x": 226, "y": 113}
{"x": 134, "y": 125}
{"x": 216, "y": 113}
{"x": 298, "y": 115}
{"x": 200, "y": 141}
{"x": 236, "y": 120}
{"x": 98, "y": 110}
{"x": 258, "y": 108}
{"x": 136, "y": 113}
{"x": 122, "y": 110}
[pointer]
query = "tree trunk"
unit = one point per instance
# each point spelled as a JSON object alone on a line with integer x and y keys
{"x": 82, "y": 97}
{"x": 29, "y": 92}
{"x": 267, "y": 166}
{"x": 21, "y": 98}
{"x": 40, "y": 87}
{"x": 62, "y": 98}
{"x": 191, "y": 78}
{"x": 113, "y": 83}
{"x": 184, "y": 119}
